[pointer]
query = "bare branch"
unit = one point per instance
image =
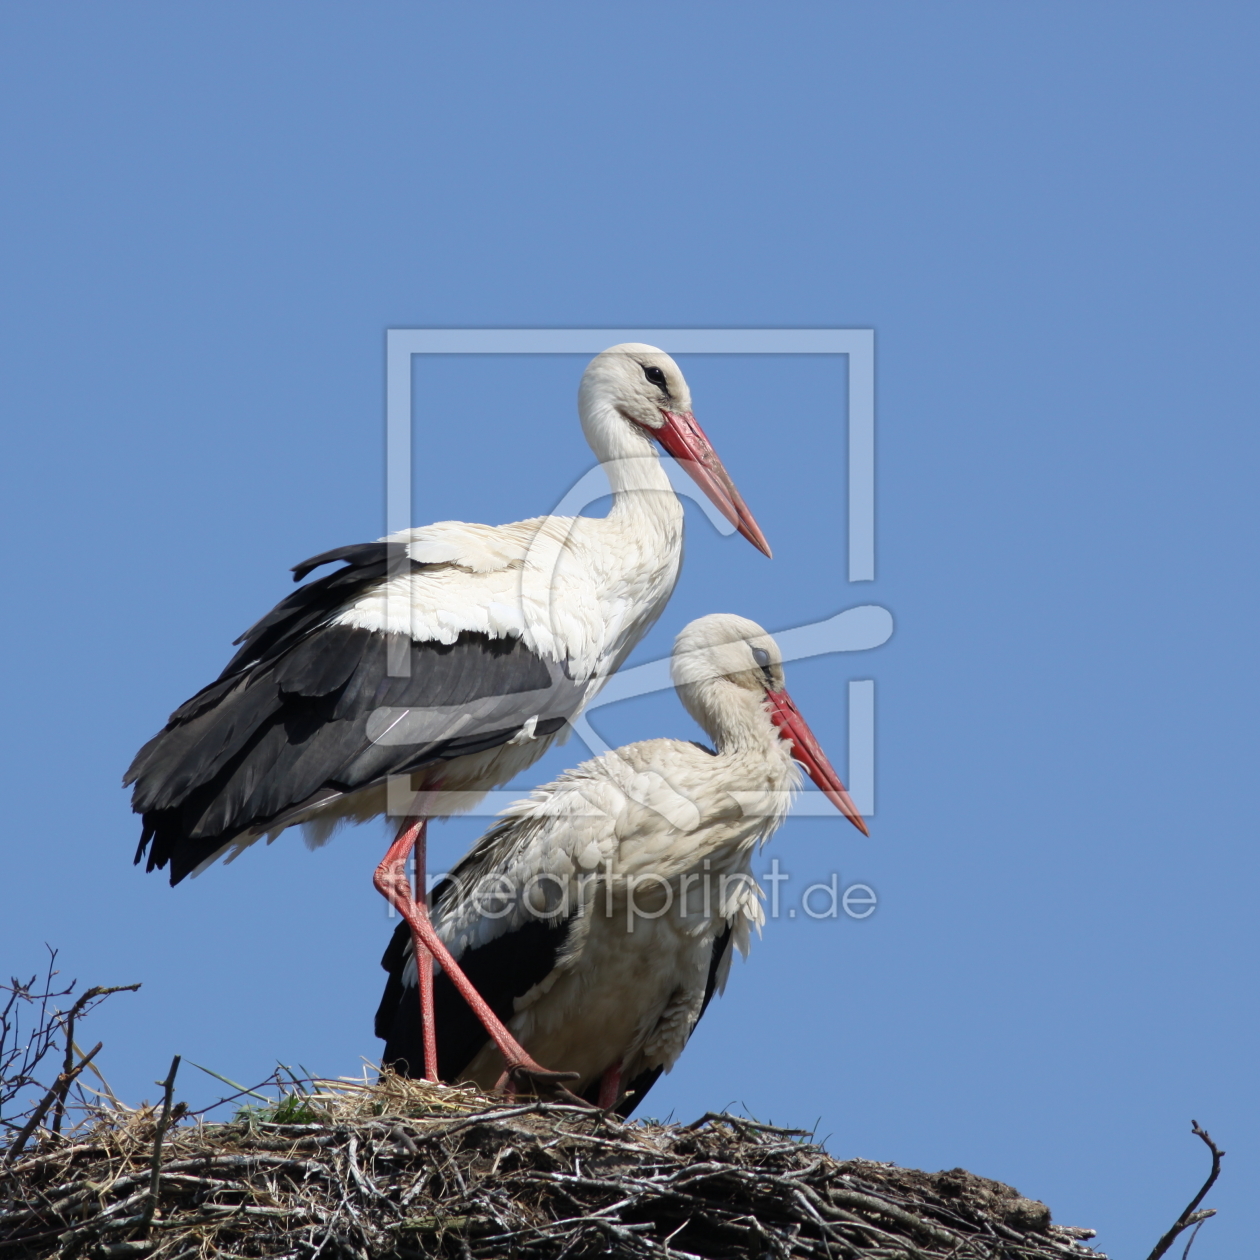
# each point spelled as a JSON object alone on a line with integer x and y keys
{"x": 155, "y": 1166}
{"x": 64, "y": 1081}
{"x": 1190, "y": 1216}
{"x": 97, "y": 991}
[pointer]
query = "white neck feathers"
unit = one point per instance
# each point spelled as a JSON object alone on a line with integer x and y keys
{"x": 733, "y": 717}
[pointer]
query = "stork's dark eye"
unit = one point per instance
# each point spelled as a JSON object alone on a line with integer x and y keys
{"x": 656, "y": 377}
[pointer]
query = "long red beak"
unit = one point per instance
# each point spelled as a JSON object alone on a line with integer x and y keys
{"x": 787, "y": 717}
{"x": 684, "y": 439}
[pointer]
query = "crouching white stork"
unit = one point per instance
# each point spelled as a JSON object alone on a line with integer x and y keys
{"x": 453, "y": 653}
{"x": 598, "y": 917}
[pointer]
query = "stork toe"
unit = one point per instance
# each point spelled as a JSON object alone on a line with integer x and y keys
{"x": 530, "y": 1077}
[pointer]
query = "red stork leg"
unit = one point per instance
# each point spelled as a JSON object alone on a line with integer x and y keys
{"x": 392, "y": 883}
{"x": 610, "y": 1087}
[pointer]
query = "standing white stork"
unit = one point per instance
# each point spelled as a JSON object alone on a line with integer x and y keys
{"x": 598, "y": 917}
{"x": 454, "y": 653}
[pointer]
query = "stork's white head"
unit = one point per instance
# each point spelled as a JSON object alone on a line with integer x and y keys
{"x": 728, "y": 650}
{"x": 633, "y": 390}
{"x": 640, "y": 382}
{"x": 729, "y": 674}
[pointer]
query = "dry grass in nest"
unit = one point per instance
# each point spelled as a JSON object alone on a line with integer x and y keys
{"x": 403, "y": 1168}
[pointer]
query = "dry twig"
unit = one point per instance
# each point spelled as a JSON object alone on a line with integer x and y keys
{"x": 1190, "y": 1216}
{"x": 89, "y": 996}
{"x": 155, "y": 1164}
{"x": 30, "y": 1023}
{"x": 59, "y": 1088}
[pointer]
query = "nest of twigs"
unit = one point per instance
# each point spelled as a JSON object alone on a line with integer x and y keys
{"x": 403, "y": 1168}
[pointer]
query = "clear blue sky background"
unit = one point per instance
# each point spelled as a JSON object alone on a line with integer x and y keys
{"x": 1048, "y": 212}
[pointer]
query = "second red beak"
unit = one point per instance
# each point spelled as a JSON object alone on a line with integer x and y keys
{"x": 805, "y": 748}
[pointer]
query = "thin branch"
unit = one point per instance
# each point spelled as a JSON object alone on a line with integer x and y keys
{"x": 155, "y": 1168}
{"x": 18, "y": 1061}
{"x": 97, "y": 991}
{"x": 1190, "y": 1216}
{"x": 1194, "y": 1233}
{"x": 41, "y": 1111}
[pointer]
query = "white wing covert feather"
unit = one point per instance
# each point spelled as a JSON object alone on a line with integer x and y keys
{"x": 537, "y": 580}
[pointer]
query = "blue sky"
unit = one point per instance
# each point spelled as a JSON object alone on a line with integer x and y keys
{"x": 1047, "y": 213}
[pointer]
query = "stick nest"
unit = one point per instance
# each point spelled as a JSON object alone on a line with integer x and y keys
{"x": 404, "y": 1168}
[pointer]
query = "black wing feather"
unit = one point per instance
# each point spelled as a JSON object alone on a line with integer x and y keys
{"x": 357, "y": 554}
{"x": 501, "y": 971}
{"x": 290, "y": 719}
{"x": 292, "y": 618}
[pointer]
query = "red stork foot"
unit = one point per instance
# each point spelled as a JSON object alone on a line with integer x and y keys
{"x": 531, "y": 1078}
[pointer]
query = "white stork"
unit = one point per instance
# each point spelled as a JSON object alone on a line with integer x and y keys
{"x": 454, "y": 653}
{"x": 597, "y": 917}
